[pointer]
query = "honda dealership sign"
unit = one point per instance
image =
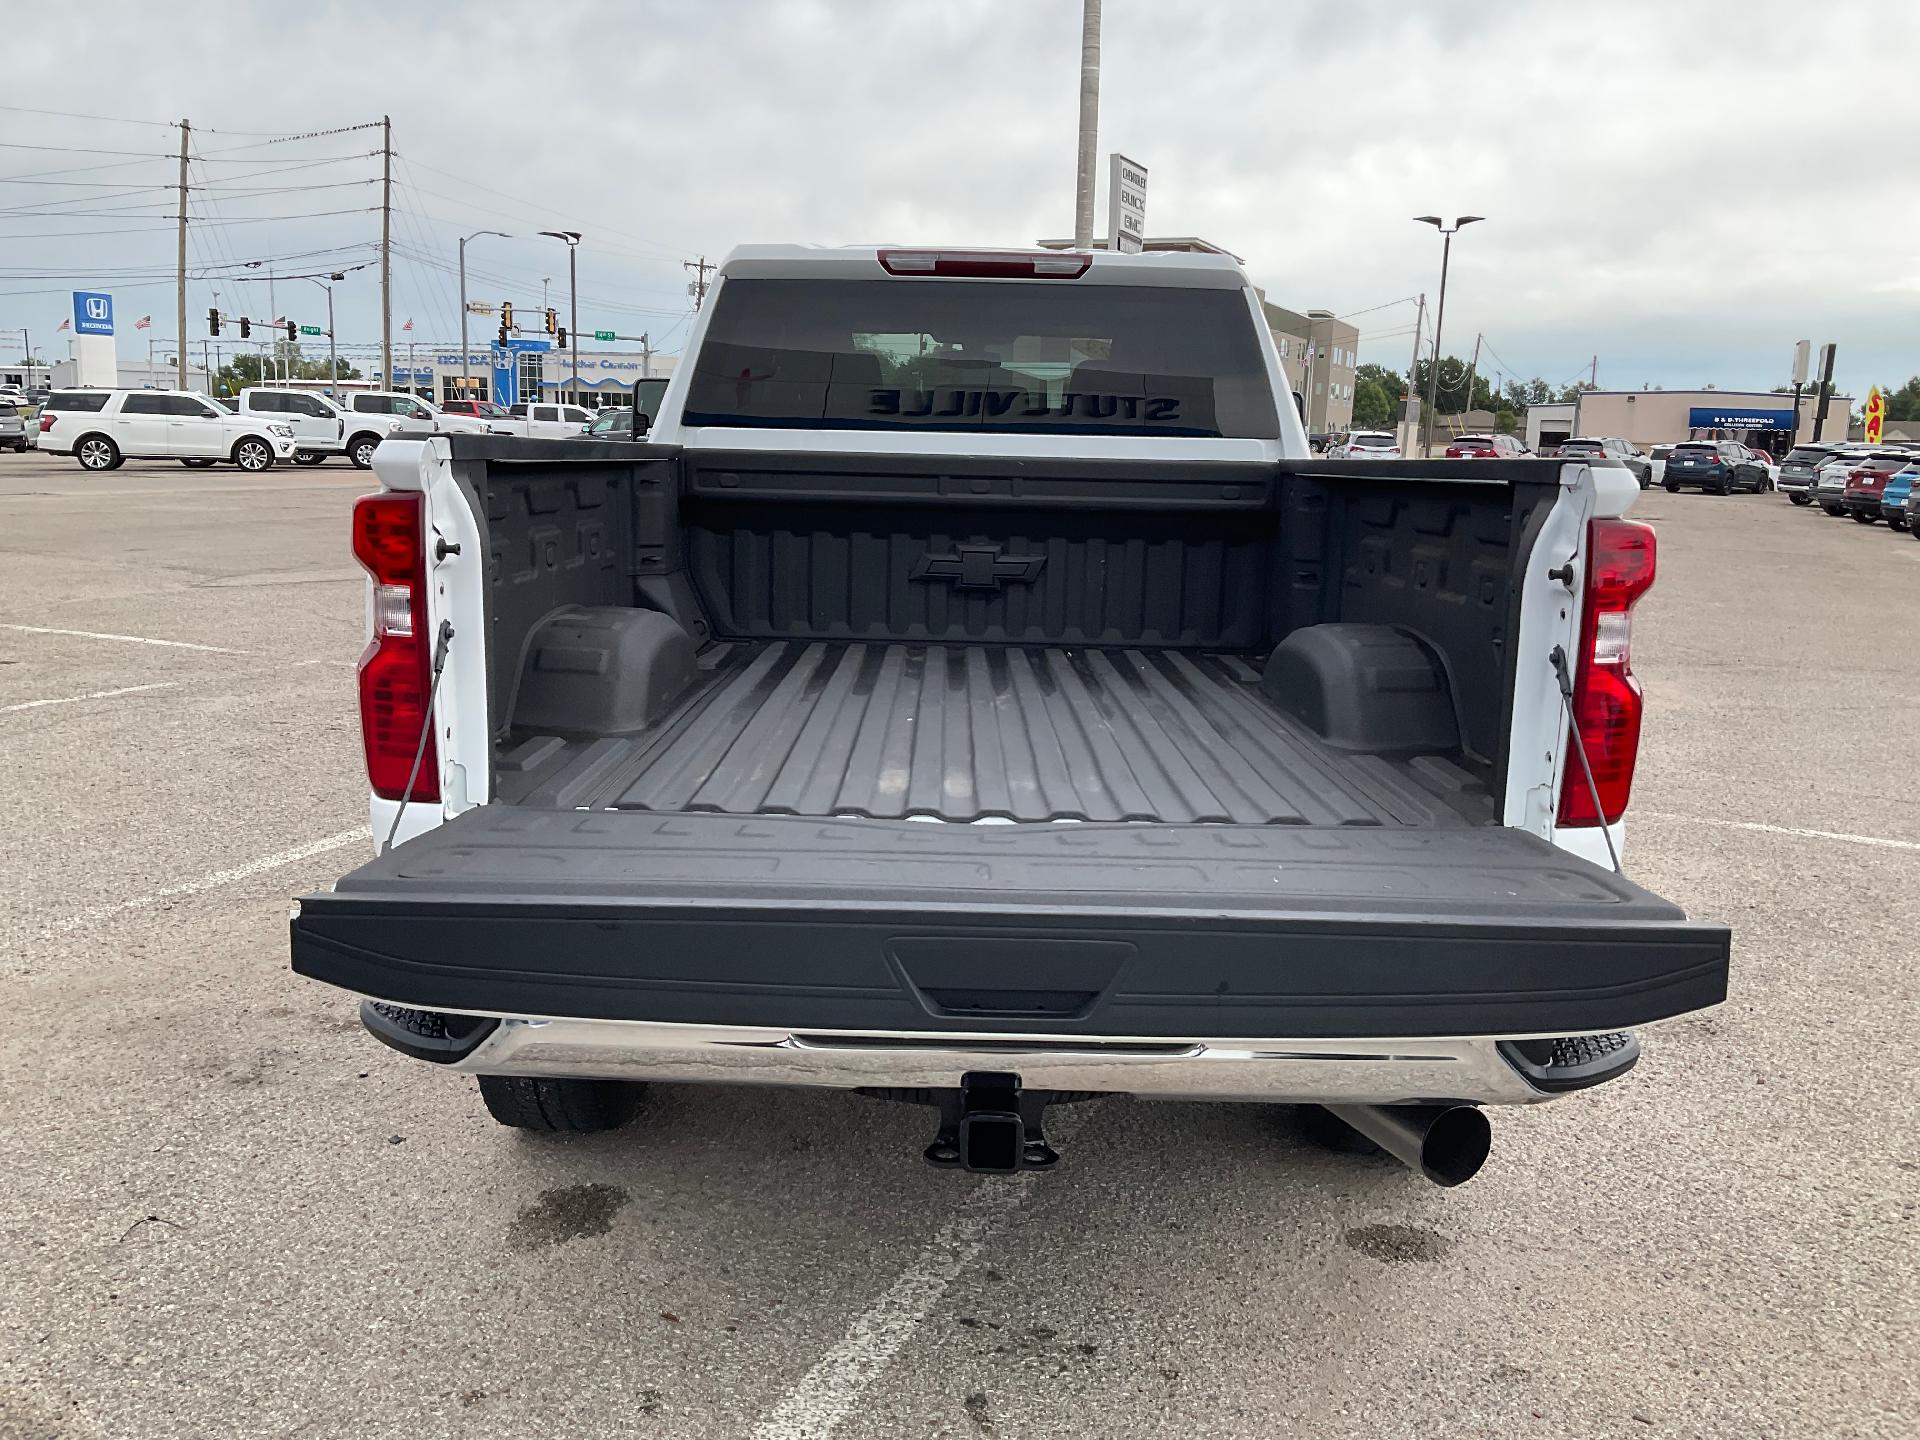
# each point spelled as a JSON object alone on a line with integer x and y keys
{"x": 92, "y": 313}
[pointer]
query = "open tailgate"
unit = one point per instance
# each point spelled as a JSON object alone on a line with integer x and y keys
{"x": 1103, "y": 930}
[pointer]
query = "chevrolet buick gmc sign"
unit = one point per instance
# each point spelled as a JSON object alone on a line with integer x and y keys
{"x": 92, "y": 313}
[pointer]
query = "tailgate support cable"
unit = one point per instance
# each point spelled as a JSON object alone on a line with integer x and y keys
{"x": 441, "y": 642}
{"x": 1559, "y": 659}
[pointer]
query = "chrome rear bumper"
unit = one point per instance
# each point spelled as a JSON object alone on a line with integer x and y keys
{"x": 1369, "y": 1072}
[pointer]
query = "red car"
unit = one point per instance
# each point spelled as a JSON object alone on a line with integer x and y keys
{"x": 1865, "y": 482}
{"x": 1486, "y": 447}
{"x": 477, "y": 409}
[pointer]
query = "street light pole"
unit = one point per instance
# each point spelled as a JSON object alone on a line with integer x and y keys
{"x": 464, "y": 366}
{"x": 1439, "y": 319}
{"x": 333, "y": 347}
{"x": 572, "y": 237}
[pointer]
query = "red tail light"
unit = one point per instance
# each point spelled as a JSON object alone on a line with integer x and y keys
{"x": 1606, "y": 697}
{"x": 396, "y": 671}
{"x": 988, "y": 264}
{"x": 46, "y": 423}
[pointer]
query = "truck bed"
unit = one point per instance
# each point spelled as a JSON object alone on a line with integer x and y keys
{"x": 967, "y": 733}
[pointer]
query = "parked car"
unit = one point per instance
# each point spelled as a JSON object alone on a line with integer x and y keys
{"x": 1370, "y": 445}
{"x": 373, "y": 415}
{"x": 651, "y": 792}
{"x": 1913, "y": 512}
{"x": 319, "y": 425}
{"x": 1893, "y": 496}
{"x": 614, "y": 423}
{"x": 1830, "y": 477}
{"x": 19, "y": 422}
{"x": 476, "y": 409}
{"x": 102, "y": 429}
{"x": 1717, "y": 465}
{"x": 1797, "y": 471}
{"x": 1486, "y": 447}
{"x": 1611, "y": 448}
{"x": 1865, "y": 481}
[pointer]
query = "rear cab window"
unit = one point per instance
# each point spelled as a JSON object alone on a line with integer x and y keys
{"x": 1047, "y": 357}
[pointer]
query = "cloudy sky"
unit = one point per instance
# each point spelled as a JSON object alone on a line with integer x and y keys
{"x": 1682, "y": 189}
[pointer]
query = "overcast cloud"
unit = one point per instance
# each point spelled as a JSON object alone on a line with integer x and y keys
{"x": 1682, "y": 189}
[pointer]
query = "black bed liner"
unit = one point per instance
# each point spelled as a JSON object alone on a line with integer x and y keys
{"x": 1119, "y": 930}
{"x": 964, "y": 732}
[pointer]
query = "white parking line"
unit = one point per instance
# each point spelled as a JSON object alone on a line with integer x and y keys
{"x": 129, "y": 639}
{"x": 828, "y": 1392}
{"x": 90, "y": 695}
{"x": 1879, "y": 841}
{"x": 95, "y": 914}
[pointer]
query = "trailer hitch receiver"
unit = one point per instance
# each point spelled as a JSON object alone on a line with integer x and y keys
{"x": 992, "y": 1127}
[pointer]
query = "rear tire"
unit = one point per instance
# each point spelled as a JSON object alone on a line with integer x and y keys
{"x": 1673, "y": 487}
{"x": 1800, "y": 499}
{"x": 569, "y": 1107}
{"x": 1861, "y": 518}
{"x": 197, "y": 464}
{"x": 1831, "y": 510}
{"x": 307, "y": 457}
{"x": 97, "y": 452}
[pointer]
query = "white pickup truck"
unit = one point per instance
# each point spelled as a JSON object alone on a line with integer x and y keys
{"x": 975, "y": 694}
{"x": 374, "y": 415}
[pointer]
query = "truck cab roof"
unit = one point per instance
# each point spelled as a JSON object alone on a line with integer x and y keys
{"x": 850, "y": 262}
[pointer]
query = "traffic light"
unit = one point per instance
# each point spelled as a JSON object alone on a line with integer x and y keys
{"x": 553, "y": 318}
{"x": 506, "y": 315}
{"x": 293, "y": 333}
{"x": 213, "y": 321}
{"x": 561, "y": 338}
{"x": 503, "y": 334}
{"x": 246, "y": 327}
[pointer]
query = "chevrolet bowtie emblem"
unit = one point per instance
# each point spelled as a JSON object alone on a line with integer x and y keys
{"x": 978, "y": 567}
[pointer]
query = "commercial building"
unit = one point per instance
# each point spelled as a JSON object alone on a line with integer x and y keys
{"x": 522, "y": 370}
{"x": 1762, "y": 419}
{"x": 141, "y": 374}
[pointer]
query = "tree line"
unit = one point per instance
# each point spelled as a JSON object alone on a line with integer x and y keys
{"x": 1377, "y": 393}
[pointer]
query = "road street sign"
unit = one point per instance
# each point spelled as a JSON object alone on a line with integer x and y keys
{"x": 310, "y": 330}
{"x": 1126, "y": 205}
{"x": 603, "y": 334}
{"x": 1800, "y": 362}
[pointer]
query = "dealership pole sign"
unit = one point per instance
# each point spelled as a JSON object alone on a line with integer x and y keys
{"x": 1126, "y": 205}
{"x": 92, "y": 313}
{"x": 1876, "y": 415}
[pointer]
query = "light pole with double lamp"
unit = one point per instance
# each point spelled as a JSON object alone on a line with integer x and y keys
{"x": 1439, "y": 319}
{"x": 464, "y": 365}
{"x": 572, "y": 237}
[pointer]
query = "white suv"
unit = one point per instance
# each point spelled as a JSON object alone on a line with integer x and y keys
{"x": 103, "y": 428}
{"x": 372, "y": 415}
{"x": 1371, "y": 445}
{"x": 319, "y": 427}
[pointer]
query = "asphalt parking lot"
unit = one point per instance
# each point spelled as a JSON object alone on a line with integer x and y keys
{"x": 229, "y": 1212}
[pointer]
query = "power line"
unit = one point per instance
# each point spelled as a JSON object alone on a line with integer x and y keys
{"x": 73, "y": 115}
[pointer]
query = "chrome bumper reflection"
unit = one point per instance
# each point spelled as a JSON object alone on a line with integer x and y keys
{"x": 1372, "y": 1072}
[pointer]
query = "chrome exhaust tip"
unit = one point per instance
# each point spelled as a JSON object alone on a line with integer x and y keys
{"x": 1446, "y": 1143}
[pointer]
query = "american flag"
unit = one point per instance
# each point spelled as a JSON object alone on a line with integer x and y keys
{"x": 63, "y": 325}
{"x": 143, "y": 322}
{"x": 409, "y": 324}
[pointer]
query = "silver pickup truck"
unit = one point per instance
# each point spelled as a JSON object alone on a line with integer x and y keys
{"x": 975, "y": 694}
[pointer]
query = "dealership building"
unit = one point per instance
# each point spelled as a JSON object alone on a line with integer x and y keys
{"x": 523, "y": 369}
{"x": 1762, "y": 419}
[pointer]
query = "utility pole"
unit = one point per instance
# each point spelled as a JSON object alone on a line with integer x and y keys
{"x": 1413, "y": 372}
{"x": 386, "y": 251}
{"x": 1439, "y": 316}
{"x": 1089, "y": 124}
{"x": 1473, "y": 367}
{"x": 1593, "y": 374}
{"x": 700, "y": 268}
{"x": 180, "y": 272}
